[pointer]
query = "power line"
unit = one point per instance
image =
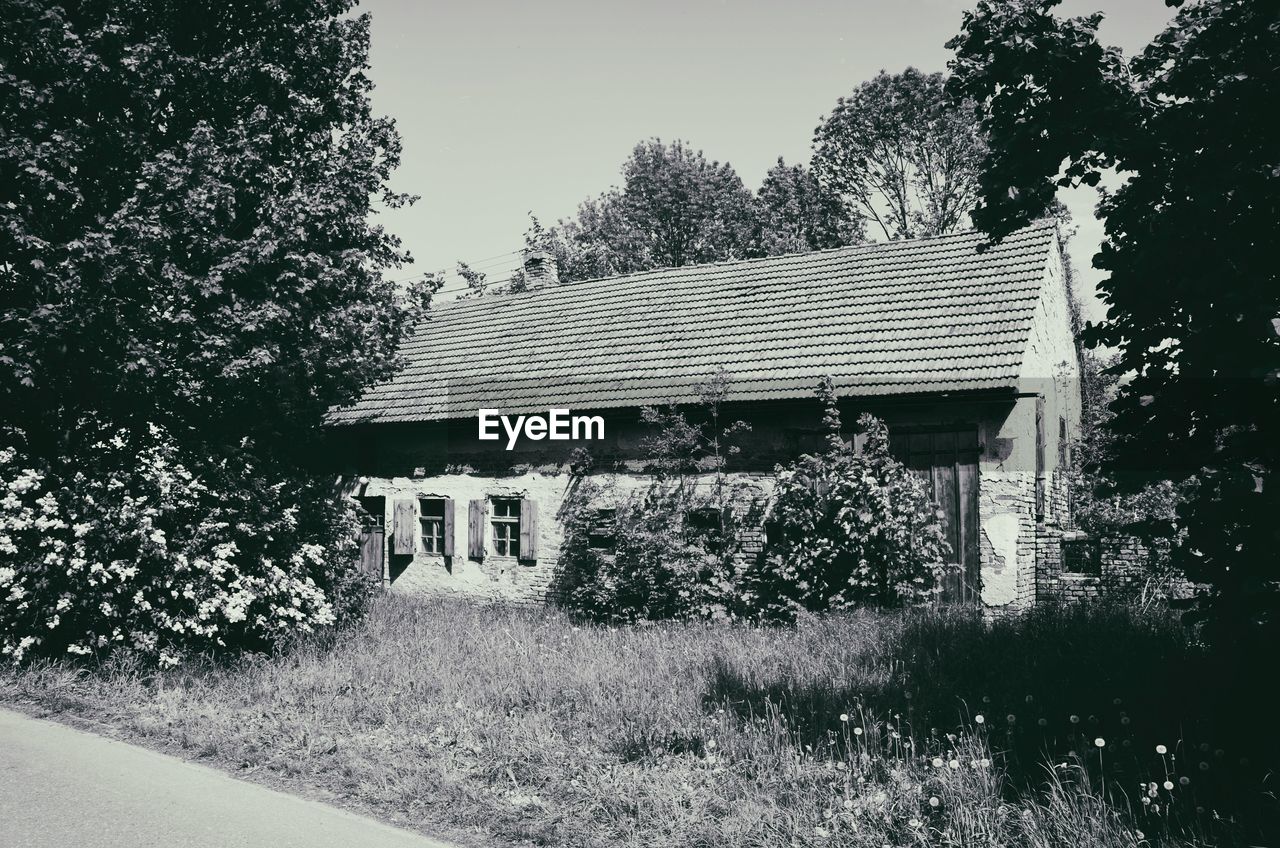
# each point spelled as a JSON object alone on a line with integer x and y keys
{"x": 498, "y": 256}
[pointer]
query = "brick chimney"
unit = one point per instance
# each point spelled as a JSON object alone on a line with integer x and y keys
{"x": 540, "y": 268}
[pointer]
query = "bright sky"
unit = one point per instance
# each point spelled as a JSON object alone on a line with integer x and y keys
{"x": 507, "y": 108}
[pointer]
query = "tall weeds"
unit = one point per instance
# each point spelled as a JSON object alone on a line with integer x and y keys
{"x": 904, "y": 728}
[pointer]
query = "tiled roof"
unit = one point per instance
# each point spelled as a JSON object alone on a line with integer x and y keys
{"x": 928, "y": 315}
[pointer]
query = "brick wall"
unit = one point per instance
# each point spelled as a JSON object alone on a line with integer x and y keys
{"x": 1006, "y": 509}
{"x": 1121, "y": 565}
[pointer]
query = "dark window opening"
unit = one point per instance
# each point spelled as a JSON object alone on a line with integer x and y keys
{"x": 1082, "y": 556}
{"x": 374, "y": 512}
{"x": 705, "y": 526}
{"x": 602, "y": 533}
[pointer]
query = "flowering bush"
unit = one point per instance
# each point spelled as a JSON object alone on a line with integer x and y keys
{"x": 126, "y": 546}
{"x": 847, "y": 529}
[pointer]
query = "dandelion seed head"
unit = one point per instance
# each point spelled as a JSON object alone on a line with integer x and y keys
{"x": 980, "y": 719}
{"x": 1160, "y": 749}
{"x": 1100, "y": 742}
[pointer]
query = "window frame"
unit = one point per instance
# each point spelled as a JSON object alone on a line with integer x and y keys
{"x": 433, "y": 543}
{"x": 507, "y": 543}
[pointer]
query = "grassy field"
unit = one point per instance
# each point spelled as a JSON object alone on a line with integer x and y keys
{"x": 521, "y": 726}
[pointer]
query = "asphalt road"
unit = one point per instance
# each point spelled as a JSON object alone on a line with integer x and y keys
{"x": 63, "y": 787}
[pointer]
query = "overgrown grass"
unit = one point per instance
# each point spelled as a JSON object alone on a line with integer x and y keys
{"x": 867, "y": 729}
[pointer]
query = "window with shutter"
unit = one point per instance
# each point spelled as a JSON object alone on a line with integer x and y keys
{"x": 506, "y": 527}
{"x": 432, "y": 521}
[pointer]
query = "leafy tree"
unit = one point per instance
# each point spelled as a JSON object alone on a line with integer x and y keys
{"x": 900, "y": 153}
{"x": 1192, "y": 284}
{"x": 675, "y": 208}
{"x": 1100, "y": 505}
{"x": 189, "y": 261}
{"x": 796, "y": 214}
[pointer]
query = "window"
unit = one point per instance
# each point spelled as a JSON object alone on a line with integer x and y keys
{"x": 705, "y": 527}
{"x": 603, "y": 532}
{"x": 433, "y": 529}
{"x": 375, "y": 512}
{"x": 506, "y": 526}
{"x": 1082, "y": 556}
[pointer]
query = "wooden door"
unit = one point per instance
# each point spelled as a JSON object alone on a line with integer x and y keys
{"x": 948, "y": 460}
{"x": 373, "y": 537}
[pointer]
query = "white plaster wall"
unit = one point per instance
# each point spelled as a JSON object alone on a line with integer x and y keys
{"x": 1050, "y": 367}
{"x": 490, "y": 578}
{"x": 497, "y": 578}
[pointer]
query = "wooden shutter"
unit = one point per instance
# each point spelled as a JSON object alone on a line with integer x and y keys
{"x": 406, "y": 521}
{"x": 448, "y": 527}
{"x": 528, "y": 529}
{"x": 475, "y": 529}
{"x": 373, "y": 547}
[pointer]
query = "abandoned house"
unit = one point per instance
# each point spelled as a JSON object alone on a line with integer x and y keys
{"x": 966, "y": 353}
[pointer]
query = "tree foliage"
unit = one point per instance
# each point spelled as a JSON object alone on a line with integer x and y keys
{"x": 675, "y": 208}
{"x": 189, "y": 257}
{"x": 898, "y": 152}
{"x": 1191, "y": 279}
{"x": 795, "y": 213}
